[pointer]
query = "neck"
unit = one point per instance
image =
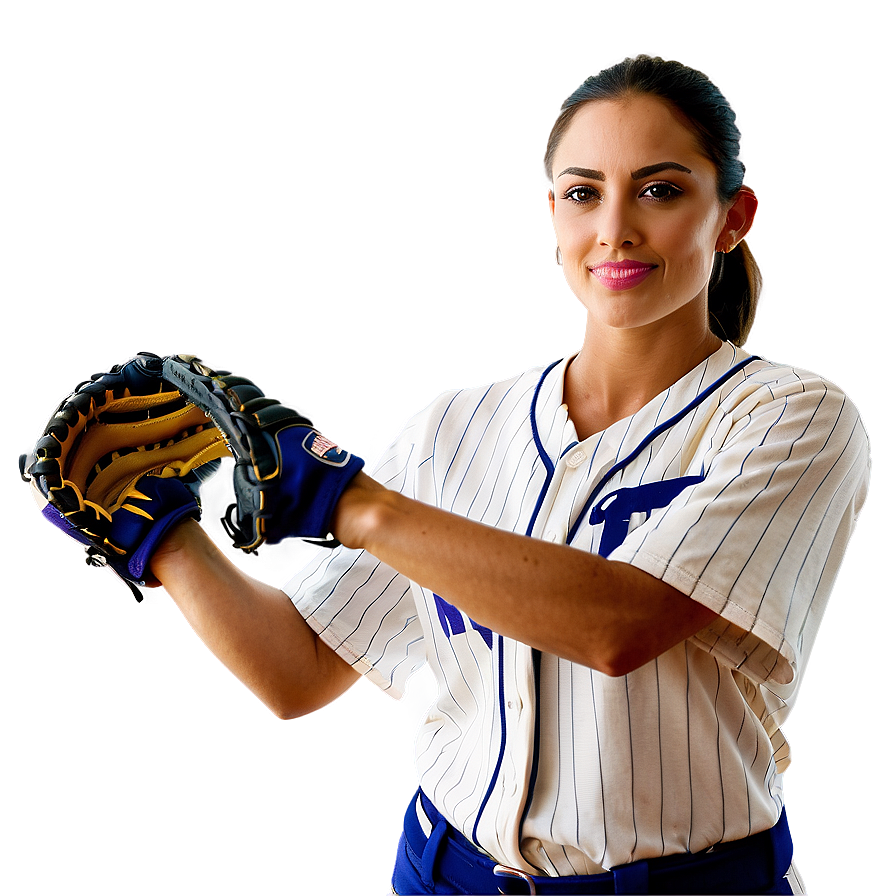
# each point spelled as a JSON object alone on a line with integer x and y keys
{"x": 617, "y": 372}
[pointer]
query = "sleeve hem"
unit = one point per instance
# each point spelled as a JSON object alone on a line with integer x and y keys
{"x": 356, "y": 661}
{"x": 747, "y": 643}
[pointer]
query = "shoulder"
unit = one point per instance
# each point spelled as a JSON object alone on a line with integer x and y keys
{"x": 769, "y": 385}
{"x": 780, "y": 404}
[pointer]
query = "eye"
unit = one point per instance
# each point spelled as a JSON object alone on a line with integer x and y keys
{"x": 581, "y": 195}
{"x": 661, "y": 191}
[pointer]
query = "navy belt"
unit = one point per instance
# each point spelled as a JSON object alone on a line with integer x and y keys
{"x": 756, "y": 864}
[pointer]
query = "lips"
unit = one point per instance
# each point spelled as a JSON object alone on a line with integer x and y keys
{"x": 619, "y": 275}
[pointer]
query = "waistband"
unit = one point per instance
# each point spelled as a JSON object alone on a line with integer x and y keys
{"x": 754, "y": 865}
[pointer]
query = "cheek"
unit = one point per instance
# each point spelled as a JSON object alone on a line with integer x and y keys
{"x": 575, "y": 235}
{"x": 692, "y": 244}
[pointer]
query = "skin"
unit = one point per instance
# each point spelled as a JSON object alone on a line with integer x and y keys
{"x": 637, "y": 343}
{"x": 640, "y": 341}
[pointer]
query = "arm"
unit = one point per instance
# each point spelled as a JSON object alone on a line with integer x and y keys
{"x": 600, "y": 613}
{"x": 253, "y": 628}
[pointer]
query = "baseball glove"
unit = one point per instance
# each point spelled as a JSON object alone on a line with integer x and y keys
{"x": 120, "y": 462}
{"x": 287, "y": 478}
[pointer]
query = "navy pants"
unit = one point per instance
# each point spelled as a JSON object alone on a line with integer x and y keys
{"x": 443, "y": 861}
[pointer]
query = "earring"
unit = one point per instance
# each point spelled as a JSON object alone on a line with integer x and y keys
{"x": 558, "y": 257}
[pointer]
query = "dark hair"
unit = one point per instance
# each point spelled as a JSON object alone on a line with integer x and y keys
{"x": 735, "y": 282}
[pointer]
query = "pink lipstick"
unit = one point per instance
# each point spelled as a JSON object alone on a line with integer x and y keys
{"x": 619, "y": 275}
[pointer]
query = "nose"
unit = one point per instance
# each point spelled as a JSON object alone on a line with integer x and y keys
{"x": 617, "y": 225}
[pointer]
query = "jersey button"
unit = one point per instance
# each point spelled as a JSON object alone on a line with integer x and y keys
{"x": 575, "y": 458}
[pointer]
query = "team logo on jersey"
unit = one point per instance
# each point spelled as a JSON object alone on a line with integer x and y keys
{"x": 453, "y": 621}
{"x": 323, "y": 449}
{"x": 616, "y": 509}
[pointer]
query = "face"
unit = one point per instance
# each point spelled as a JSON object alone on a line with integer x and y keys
{"x": 636, "y": 214}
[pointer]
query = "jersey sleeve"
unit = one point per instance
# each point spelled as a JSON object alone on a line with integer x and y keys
{"x": 362, "y": 608}
{"x": 760, "y": 538}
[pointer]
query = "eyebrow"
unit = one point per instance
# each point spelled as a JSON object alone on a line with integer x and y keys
{"x": 646, "y": 171}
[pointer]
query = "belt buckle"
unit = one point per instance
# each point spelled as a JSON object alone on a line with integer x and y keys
{"x": 506, "y": 871}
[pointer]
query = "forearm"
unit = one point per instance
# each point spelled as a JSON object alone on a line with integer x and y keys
{"x": 253, "y": 628}
{"x": 607, "y": 615}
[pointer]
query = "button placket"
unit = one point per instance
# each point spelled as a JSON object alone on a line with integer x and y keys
{"x": 570, "y": 469}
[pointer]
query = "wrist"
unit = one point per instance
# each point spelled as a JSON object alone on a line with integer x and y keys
{"x": 176, "y": 541}
{"x": 359, "y": 512}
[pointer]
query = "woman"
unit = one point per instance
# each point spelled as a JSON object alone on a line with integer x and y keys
{"x": 615, "y": 565}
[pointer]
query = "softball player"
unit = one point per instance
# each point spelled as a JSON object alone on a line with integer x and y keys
{"x": 615, "y": 565}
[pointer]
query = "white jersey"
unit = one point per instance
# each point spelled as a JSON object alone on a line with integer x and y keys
{"x": 739, "y": 485}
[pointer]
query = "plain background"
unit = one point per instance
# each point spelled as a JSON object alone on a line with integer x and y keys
{"x": 345, "y": 202}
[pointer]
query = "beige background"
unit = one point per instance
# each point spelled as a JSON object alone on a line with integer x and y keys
{"x": 345, "y": 202}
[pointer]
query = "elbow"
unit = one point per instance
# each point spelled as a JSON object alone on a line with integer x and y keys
{"x": 285, "y": 704}
{"x": 620, "y": 662}
{"x": 286, "y": 713}
{"x": 294, "y": 705}
{"x": 609, "y": 656}
{"x": 618, "y": 669}
{"x": 613, "y": 668}
{"x": 295, "y": 690}
{"x": 288, "y": 716}
{"x": 286, "y": 710}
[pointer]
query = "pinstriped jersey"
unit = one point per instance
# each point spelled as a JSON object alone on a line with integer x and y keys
{"x": 739, "y": 485}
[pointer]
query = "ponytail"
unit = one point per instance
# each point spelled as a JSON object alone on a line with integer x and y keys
{"x": 734, "y": 293}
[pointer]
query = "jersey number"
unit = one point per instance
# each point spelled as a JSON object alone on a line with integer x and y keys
{"x": 452, "y": 621}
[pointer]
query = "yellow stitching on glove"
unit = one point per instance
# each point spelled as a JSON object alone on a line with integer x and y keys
{"x": 136, "y": 495}
{"x": 138, "y": 510}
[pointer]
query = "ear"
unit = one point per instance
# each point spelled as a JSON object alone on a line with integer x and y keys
{"x": 551, "y": 210}
{"x": 738, "y": 221}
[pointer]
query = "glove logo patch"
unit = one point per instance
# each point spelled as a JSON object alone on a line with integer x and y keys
{"x": 325, "y": 450}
